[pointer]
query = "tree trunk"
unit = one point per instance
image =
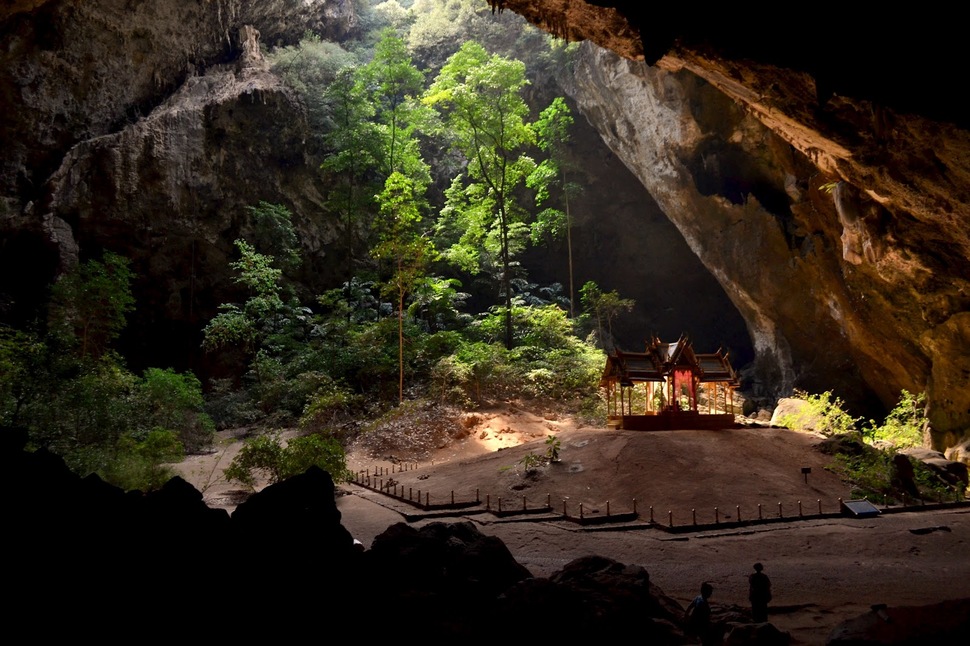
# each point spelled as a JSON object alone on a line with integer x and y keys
{"x": 569, "y": 247}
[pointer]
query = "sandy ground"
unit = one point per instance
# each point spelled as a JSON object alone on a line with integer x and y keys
{"x": 823, "y": 570}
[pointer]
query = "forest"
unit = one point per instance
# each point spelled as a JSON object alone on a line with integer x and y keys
{"x": 442, "y": 170}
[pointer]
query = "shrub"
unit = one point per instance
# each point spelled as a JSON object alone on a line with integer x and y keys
{"x": 592, "y": 409}
{"x": 266, "y": 457}
{"x": 530, "y": 461}
{"x": 260, "y": 457}
{"x": 230, "y": 407}
{"x": 22, "y": 356}
{"x": 172, "y": 401}
{"x": 472, "y": 372}
{"x": 872, "y": 474}
{"x": 85, "y": 412}
{"x": 331, "y": 402}
{"x": 553, "y": 445}
{"x": 823, "y": 413}
{"x": 141, "y": 464}
{"x": 306, "y": 451}
{"x": 903, "y": 426}
{"x": 549, "y": 361}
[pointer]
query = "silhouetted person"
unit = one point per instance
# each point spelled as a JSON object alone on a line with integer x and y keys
{"x": 698, "y": 616}
{"x": 759, "y": 593}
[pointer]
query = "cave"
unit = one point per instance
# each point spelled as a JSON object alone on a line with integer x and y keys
{"x": 795, "y": 193}
{"x": 755, "y": 124}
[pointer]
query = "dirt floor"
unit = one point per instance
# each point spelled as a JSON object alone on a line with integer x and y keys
{"x": 823, "y": 570}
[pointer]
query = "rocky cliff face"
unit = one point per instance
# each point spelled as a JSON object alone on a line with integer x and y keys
{"x": 745, "y": 201}
{"x": 820, "y": 171}
{"x": 77, "y": 70}
{"x": 147, "y": 129}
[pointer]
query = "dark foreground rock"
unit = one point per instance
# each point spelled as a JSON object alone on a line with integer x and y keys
{"x": 84, "y": 559}
{"x": 939, "y": 623}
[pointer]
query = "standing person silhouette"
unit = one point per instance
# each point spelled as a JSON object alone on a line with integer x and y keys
{"x": 698, "y": 616}
{"x": 759, "y": 593}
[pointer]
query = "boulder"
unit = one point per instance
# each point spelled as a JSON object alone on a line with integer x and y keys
{"x": 959, "y": 453}
{"x": 789, "y": 410}
{"x": 845, "y": 443}
{"x": 952, "y": 472}
{"x": 904, "y": 476}
{"x": 596, "y": 598}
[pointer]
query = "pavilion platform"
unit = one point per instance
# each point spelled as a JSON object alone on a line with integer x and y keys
{"x": 673, "y": 421}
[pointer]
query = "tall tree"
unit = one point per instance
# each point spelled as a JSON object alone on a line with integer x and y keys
{"x": 480, "y": 99}
{"x": 353, "y": 146}
{"x": 376, "y": 115}
{"x": 552, "y": 135}
{"x": 394, "y": 84}
{"x": 402, "y": 245}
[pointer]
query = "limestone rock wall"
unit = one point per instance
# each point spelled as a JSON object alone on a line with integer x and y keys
{"x": 171, "y": 191}
{"x": 76, "y": 70}
{"x": 147, "y": 128}
{"x": 845, "y": 253}
{"x": 727, "y": 184}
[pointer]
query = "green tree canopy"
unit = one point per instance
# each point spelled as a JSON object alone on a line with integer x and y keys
{"x": 92, "y": 302}
{"x": 394, "y": 84}
{"x": 480, "y": 98}
{"x": 402, "y": 245}
{"x": 552, "y": 134}
{"x": 604, "y": 307}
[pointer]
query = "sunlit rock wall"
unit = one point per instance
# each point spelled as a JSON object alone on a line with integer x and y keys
{"x": 851, "y": 275}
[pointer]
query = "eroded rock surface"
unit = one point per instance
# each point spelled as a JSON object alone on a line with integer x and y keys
{"x": 148, "y": 131}
{"x": 830, "y": 199}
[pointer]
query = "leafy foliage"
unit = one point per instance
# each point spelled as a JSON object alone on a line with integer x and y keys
{"x": 903, "y": 426}
{"x": 873, "y": 476}
{"x": 331, "y": 403}
{"x": 77, "y": 399}
{"x": 553, "y": 446}
{"x": 141, "y": 464}
{"x": 275, "y": 235}
{"x": 393, "y": 84}
{"x": 267, "y": 457}
{"x": 169, "y": 401}
{"x": 310, "y": 67}
{"x": 401, "y": 245}
{"x": 480, "y": 99}
{"x": 531, "y": 461}
{"x": 22, "y": 369}
{"x": 824, "y": 413}
{"x": 398, "y": 327}
{"x": 549, "y": 361}
{"x": 604, "y": 308}
{"x": 247, "y": 324}
{"x": 871, "y": 469}
{"x": 91, "y": 302}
